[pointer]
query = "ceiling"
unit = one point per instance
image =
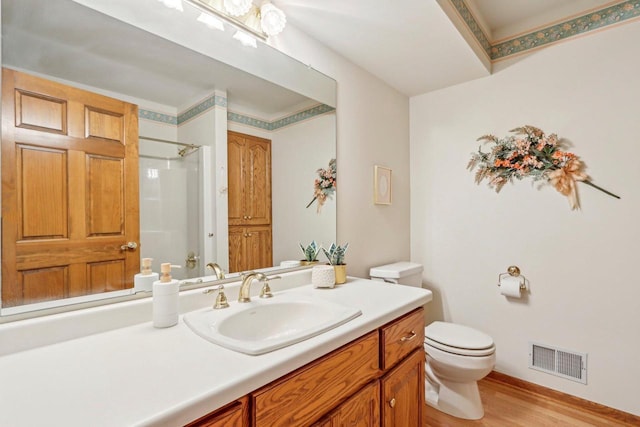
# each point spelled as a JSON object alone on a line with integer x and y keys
{"x": 72, "y": 42}
{"x": 413, "y": 45}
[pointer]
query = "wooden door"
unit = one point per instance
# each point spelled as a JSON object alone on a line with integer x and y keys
{"x": 249, "y": 179}
{"x": 69, "y": 191}
{"x": 403, "y": 393}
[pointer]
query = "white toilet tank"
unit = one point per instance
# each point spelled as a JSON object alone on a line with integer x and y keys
{"x": 404, "y": 273}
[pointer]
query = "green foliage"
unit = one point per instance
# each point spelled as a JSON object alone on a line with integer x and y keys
{"x": 311, "y": 251}
{"x": 336, "y": 253}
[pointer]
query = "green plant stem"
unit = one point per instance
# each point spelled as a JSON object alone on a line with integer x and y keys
{"x": 601, "y": 189}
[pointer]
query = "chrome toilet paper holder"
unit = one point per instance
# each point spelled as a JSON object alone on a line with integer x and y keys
{"x": 514, "y": 271}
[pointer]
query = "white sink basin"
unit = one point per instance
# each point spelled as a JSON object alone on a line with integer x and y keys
{"x": 264, "y": 325}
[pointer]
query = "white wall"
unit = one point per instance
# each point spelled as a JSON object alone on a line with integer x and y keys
{"x": 584, "y": 287}
{"x": 297, "y": 151}
{"x": 372, "y": 128}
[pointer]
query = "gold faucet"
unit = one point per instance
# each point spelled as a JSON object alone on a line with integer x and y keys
{"x": 247, "y": 280}
{"x": 216, "y": 270}
{"x": 221, "y": 299}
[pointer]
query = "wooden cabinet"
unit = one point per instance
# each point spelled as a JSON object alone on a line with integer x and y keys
{"x": 304, "y": 396}
{"x": 249, "y": 176}
{"x": 376, "y": 380}
{"x": 235, "y": 414}
{"x": 403, "y": 392}
{"x": 250, "y": 248}
{"x": 361, "y": 410}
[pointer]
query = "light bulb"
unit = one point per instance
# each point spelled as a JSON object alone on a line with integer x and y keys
{"x": 237, "y": 7}
{"x": 272, "y": 19}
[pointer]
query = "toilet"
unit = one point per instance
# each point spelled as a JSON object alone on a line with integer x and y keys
{"x": 457, "y": 356}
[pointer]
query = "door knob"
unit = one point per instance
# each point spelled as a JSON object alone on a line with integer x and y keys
{"x": 130, "y": 246}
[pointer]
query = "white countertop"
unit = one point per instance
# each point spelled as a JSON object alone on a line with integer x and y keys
{"x": 140, "y": 375}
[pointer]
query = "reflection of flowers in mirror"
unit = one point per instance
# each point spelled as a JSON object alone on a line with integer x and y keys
{"x": 325, "y": 185}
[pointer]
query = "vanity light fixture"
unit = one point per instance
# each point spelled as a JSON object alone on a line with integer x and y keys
{"x": 211, "y": 21}
{"x": 245, "y": 39}
{"x": 272, "y": 19}
{"x": 173, "y": 4}
{"x": 260, "y": 22}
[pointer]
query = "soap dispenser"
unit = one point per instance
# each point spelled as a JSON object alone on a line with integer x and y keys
{"x": 143, "y": 281}
{"x": 165, "y": 299}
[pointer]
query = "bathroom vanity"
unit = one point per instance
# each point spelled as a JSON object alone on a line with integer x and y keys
{"x": 377, "y": 379}
{"x": 370, "y": 368}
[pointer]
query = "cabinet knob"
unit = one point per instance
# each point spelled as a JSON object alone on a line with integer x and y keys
{"x": 249, "y": 217}
{"x": 248, "y": 234}
{"x": 244, "y": 217}
{"x": 392, "y": 402}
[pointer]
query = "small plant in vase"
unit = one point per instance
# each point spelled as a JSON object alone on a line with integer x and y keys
{"x": 310, "y": 253}
{"x": 335, "y": 255}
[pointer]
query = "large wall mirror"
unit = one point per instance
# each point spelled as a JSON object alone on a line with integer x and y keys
{"x": 202, "y": 104}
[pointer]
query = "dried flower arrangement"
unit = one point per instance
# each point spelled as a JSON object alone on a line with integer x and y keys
{"x": 531, "y": 153}
{"x": 325, "y": 185}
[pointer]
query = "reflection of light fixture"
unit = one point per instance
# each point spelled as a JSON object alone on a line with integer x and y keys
{"x": 272, "y": 19}
{"x": 211, "y": 21}
{"x": 172, "y": 4}
{"x": 245, "y": 39}
{"x": 260, "y": 22}
{"x": 237, "y": 7}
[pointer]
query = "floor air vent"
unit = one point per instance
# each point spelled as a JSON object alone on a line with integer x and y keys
{"x": 562, "y": 363}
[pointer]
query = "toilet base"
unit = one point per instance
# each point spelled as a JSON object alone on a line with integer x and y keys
{"x": 461, "y": 400}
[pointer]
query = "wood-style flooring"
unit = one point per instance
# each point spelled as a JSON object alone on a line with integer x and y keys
{"x": 527, "y": 405}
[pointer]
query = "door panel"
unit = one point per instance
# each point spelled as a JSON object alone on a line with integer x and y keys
{"x": 70, "y": 191}
{"x": 42, "y": 188}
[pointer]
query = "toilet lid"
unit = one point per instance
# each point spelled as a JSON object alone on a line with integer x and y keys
{"x": 458, "y": 336}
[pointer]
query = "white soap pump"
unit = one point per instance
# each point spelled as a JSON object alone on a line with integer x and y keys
{"x": 165, "y": 298}
{"x": 143, "y": 281}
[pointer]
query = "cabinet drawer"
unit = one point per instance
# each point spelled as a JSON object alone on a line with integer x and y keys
{"x": 234, "y": 414}
{"x": 303, "y": 397}
{"x": 401, "y": 337}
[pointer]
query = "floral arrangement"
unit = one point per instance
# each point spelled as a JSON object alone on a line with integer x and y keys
{"x": 325, "y": 185}
{"x": 531, "y": 153}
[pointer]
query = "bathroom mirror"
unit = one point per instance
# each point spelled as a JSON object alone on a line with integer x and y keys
{"x": 186, "y": 93}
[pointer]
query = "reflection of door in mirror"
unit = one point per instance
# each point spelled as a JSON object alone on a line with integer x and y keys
{"x": 249, "y": 177}
{"x": 70, "y": 191}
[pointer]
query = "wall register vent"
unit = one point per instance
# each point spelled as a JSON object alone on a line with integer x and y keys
{"x": 561, "y": 363}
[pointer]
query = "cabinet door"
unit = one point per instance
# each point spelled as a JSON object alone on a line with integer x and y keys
{"x": 361, "y": 410}
{"x": 257, "y": 241}
{"x": 235, "y": 176}
{"x": 258, "y": 181}
{"x": 249, "y": 179}
{"x": 403, "y": 392}
{"x": 235, "y": 414}
{"x": 237, "y": 253}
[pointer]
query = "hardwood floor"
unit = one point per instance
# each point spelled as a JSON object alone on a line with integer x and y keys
{"x": 527, "y": 405}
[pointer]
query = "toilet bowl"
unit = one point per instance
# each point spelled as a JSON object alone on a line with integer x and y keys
{"x": 457, "y": 358}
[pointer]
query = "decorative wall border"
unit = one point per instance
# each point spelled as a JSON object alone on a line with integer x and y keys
{"x": 598, "y": 19}
{"x": 220, "y": 101}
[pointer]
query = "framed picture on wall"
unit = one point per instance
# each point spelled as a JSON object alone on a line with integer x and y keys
{"x": 381, "y": 185}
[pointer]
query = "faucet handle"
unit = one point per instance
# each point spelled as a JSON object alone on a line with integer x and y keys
{"x": 265, "y": 292}
{"x": 221, "y": 299}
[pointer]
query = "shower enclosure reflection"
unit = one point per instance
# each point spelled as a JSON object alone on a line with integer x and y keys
{"x": 171, "y": 187}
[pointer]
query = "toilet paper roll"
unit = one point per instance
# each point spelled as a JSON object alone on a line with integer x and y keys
{"x": 510, "y": 286}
